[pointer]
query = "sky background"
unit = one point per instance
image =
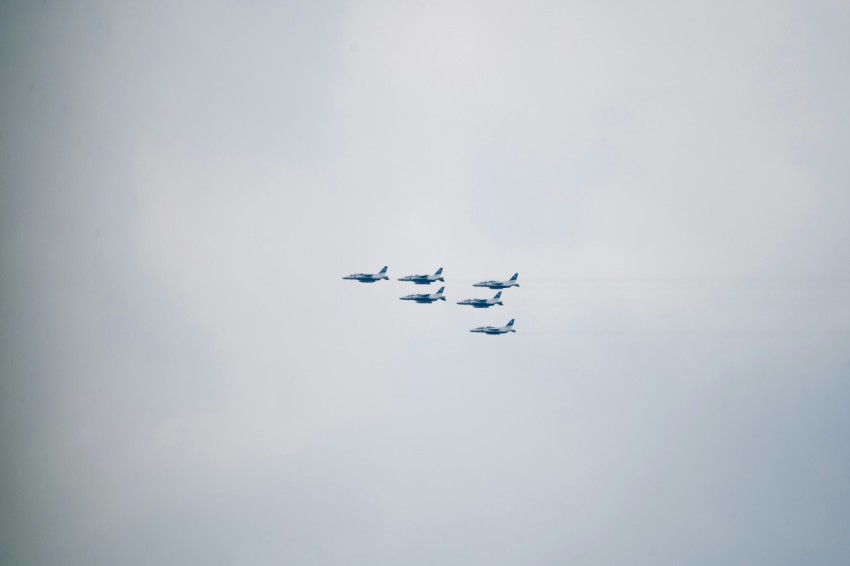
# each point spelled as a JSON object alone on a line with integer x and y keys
{"x": 187, "y": 380}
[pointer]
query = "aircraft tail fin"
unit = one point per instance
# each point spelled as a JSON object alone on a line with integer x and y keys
{"x": 440, "y": 292}
{"x": 511, "y": 323}
{"x": 498, "y": 295}
{"x": 515, "y": 275}
{"x": 439, "y": 271}
{"x": 383, "y": 269}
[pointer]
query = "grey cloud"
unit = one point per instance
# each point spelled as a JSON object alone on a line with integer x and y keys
{"x": 186, "y": 379}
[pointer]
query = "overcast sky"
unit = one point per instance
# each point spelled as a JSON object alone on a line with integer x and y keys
{"x": 186, "y": 379}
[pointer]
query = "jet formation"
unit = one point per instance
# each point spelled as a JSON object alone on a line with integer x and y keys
{"x": 426, "y": 298}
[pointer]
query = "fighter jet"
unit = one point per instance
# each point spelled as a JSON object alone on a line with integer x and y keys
{"x": 499, "y": 284}
{"x": 424, "y": 279}
{"x": 483, "y": 303}
{"x": 369, "y": 277}
{"x": 425, "y": 298}
{"x": 495, "y": 329}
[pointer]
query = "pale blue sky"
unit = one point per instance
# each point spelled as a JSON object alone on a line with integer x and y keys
{"x": 187, "y": 380}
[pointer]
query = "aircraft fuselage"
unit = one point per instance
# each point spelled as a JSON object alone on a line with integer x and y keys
{"x": 496, "y": 284}
{"x": 421, "y": 298}
{"x": 365, "y": 278}
{"x": 478, "y": 304}
{"x": 425, "y": 280}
